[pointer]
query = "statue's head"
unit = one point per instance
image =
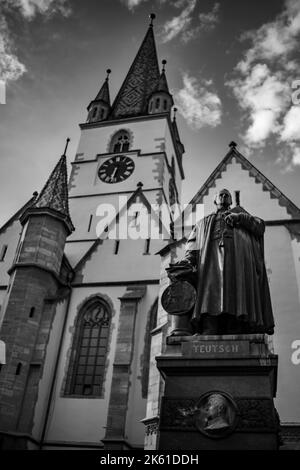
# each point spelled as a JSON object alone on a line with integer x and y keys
{"x": 223, "y": 199}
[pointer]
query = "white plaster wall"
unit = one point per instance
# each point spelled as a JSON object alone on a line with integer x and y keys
{"x": 296, "y": 254}
{"x": 130, "y": 264}
{"x": 48, "y": 371}
{"x": 82, "y": 208}
{"x": 83, "y": 419}
{"x": 9, "y": 237}
{"x": 75, "y": 251}
{"x": 135, "y": 430}
{"x": 96, "y": 140}
{"x": 280, "y": 262}
{"x": 171, "y": 152}
{"x": 86, "y": 181}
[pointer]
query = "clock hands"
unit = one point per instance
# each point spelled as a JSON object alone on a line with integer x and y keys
{"x": 116, "y": 169}
{"x": 114, "y": 172}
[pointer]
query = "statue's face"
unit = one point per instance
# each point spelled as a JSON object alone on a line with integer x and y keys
{"x": 223, "y": 199}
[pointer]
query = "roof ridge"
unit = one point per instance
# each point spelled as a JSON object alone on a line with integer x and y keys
{"x": 18, "y": 213}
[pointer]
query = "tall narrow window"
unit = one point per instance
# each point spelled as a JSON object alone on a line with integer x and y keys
{"x": 165, "y": 105}
{"x": 31, "y": 313}
{"x": 157, "y": 103}
{"x": 89, "y": 349}
{"x": 136, "y": 218}
{"x": 90, "y": 222}
{"x": 147, "y": 246}
{"x": 117, "y": 246}
{"x": 3, "y": 252}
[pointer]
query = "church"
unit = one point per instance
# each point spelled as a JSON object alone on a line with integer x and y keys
{"x": 80, "y": 311}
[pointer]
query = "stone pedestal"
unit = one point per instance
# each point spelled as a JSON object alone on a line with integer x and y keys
{"x": 219, "y": 393}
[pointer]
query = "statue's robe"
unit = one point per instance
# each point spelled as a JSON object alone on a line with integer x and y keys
{"x": 231, "y": 273}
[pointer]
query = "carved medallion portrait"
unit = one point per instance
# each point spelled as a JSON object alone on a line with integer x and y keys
{"x": 216, "y": 414}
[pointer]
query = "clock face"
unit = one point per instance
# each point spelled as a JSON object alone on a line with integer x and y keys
{"x": 116, "y": 169}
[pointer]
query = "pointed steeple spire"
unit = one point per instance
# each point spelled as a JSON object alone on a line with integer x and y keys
{"x": 99, "y": 108}
{"x": 141, "y": 80}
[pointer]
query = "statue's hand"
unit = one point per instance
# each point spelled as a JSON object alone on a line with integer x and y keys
{"x": 232, "y": 219}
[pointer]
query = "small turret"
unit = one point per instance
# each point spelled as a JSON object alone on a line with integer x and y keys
{"x": 35, "y": 280}
{"x": 99, "y": 108}
{"x": 161, "y": 100}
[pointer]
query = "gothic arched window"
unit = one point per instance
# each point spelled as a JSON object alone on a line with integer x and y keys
{"x": 89, "y": 349}
{"x": 120, "y": 142}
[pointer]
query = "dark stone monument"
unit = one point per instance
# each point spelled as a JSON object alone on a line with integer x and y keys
{"x": 219, "y": 371}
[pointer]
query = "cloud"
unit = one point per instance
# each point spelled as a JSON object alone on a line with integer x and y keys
{"x": 30, "y": 8}
{"x": 179, "y": 23}
{"x": 132, "y": 4}
{"x": 182, "y": 23}
{"x": 11, "y": 68}
{"x": 198, "y": 103}
{"x": 262, "y": 95}
{"x": 262, "y": 82}
{"x": 291, "y": 125}
{"x": 208, "y": 22}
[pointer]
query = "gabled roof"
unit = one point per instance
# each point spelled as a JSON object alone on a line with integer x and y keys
{"x": 140, "y": 81}
{"x": 138, "y": 193}
{"x": 18, "y": 214}
{"x": 275, "y": 193}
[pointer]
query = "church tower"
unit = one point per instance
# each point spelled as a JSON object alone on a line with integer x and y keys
{"x": 129, "y": 158}
{"x": 38, "y": 278}
{"x": 131, "y": 141}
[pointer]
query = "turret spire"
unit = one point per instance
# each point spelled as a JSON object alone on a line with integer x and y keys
{"x": 152, "y": 17}
{"x": 54, "y": 194}
{"x": 99, "y": 108}
{"x": 66, "y": 147}
{"x": 161, "y": 100}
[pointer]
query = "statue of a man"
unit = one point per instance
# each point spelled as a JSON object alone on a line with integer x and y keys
{"x": 225, "y": 249}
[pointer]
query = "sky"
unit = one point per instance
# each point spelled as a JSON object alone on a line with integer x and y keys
{"x": 232, "y": 66}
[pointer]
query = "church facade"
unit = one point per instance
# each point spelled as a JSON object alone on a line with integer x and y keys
{"x": 80, "y": 309}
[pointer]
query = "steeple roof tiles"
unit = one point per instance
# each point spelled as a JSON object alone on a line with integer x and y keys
{"x": 54, "y": 194}
{"x": 140, "y": 82}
